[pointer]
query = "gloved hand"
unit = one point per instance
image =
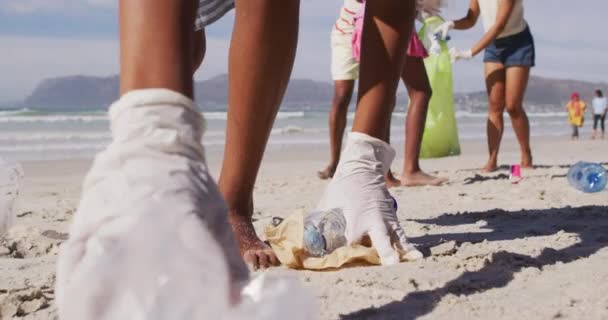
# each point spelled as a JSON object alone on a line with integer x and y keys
{"x": 151, "y": 238}
{"x": 456, "y": 54}
{"x": 359, "y": 191}
{"x": 444, "y": 29}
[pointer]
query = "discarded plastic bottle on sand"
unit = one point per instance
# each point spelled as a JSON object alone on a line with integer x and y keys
{"x": 10, "y": 177}
{"x": 587, "y": 177}
{"x": 324, "y": 232}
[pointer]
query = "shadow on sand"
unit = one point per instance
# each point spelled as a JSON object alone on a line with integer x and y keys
{"x": 505, "y": 167}
{"x": 589, "y": 223}
{"x": 479, "y": 178}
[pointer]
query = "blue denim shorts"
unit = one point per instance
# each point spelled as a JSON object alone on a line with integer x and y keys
{"x": 514, "y": 50}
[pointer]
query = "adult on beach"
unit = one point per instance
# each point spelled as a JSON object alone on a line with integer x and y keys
{"x": 509, "y": 56}
{"x": 576, "y": 113}
{"x": 600, "y": 106}
{"x": 345, "y": 71}
{"x": 151, "y": 216}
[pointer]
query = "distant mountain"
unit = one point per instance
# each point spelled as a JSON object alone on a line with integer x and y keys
{"x": 95, "y": 93}
{"x": 301, "y": 93}
{"x": 73, "y": 93}
{"x": 543, "y": 95}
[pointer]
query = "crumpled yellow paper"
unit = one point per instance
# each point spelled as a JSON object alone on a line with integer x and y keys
{"x": 287, "y": 241}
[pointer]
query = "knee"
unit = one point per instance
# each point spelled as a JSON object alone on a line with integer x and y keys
{"x": 495, "y": 111}
{"x": 342, "y": 100}
{"x": 497, "y": 107}
{"x": 515, "y": 111}
{"x": 423, "y": 96}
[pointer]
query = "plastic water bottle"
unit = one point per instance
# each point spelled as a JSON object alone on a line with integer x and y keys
{"x": 324, "y": 232}
{"x": 587, "y": 177}
{"x": 10, "y": 177}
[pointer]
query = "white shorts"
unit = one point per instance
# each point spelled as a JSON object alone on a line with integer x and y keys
{"x": 343, "y": 64}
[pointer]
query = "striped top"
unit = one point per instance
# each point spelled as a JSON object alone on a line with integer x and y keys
{"x": 210, "y": 11}
{"x": 346, "y": 21}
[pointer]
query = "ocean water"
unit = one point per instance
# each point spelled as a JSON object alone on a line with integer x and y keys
{"x": 34, "y": 135}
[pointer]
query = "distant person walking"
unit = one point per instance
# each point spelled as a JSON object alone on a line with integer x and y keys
{"x": 576, "y": 113}
{"x": 600, "y": 105}
{"x": 509, "y": 55}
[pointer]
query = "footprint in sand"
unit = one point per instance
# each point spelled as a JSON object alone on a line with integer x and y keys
{"x": 28, "y": 242}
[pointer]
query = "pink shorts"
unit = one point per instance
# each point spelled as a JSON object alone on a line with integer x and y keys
{"x": 415, "y": 48}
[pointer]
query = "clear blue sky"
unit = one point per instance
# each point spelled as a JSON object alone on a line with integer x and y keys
{"x": 45, "y": 38}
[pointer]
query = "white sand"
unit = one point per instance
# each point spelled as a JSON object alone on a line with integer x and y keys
{"x": 537, "y": 250}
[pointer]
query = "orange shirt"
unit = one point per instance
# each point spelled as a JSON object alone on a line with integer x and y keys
{"x": 576, "y": 112}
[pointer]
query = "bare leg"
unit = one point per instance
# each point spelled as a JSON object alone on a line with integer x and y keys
{"x": 199, "y": 49}
{"x": 574, "y": 132}
{"x": 343, "y": 92}
{"x": 154, "y": 55}
{"x": 261, "y": 57}
{"x": 388, "y": 24}
{"x": 161, "y": 55}
{"x": 495, "y": 84}
{"x": 517, "y": 81}
{"x": 417, "y": 83}
{"x": 389, "y": 178}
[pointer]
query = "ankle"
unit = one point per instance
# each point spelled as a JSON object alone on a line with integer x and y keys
{"x": 411, "y": 170}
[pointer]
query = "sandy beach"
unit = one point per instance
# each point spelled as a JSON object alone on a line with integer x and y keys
{"x": 493, "y": 250}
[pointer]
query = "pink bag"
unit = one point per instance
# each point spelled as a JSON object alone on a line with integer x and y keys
{"x": 358, "y": 33}
{"x": 415, "y": 47}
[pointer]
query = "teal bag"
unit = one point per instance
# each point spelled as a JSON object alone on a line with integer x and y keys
{"x": 440, "y": 137}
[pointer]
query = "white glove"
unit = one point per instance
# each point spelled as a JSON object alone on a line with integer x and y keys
{"x": 444, "y": 29}
{"x": 456, "y": 54}
{"x": 359, "y": 191}
{"x": 151, "y": 239}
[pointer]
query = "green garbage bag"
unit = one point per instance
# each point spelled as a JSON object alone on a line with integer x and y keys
{"x": 440, "y": 137}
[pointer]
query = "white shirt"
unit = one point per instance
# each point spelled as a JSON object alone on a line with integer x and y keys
{"x": 489, "y": 12}
{"x": 599, "y": 105}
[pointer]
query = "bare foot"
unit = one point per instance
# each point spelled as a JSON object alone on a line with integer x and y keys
{"x": 420, "y": 178}
{"x": 254, "y": 251}
{"x": 327, "y": 173}
{"x": 489, "y": 167}
{"x": 391, "y": 181}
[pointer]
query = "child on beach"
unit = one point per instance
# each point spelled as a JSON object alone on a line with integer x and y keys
{"x": 345, "y": 59}
{"x": 509, "y": 56}
{"x": 576, "y": 113}
{"x": 152, "y": 233}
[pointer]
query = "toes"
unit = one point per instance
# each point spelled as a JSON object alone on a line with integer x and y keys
{"x": 263, "y": 259}
{"x": 251, "y": 259}
{"x": 274, "y": 261}
{"x": 260, "y": 259}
